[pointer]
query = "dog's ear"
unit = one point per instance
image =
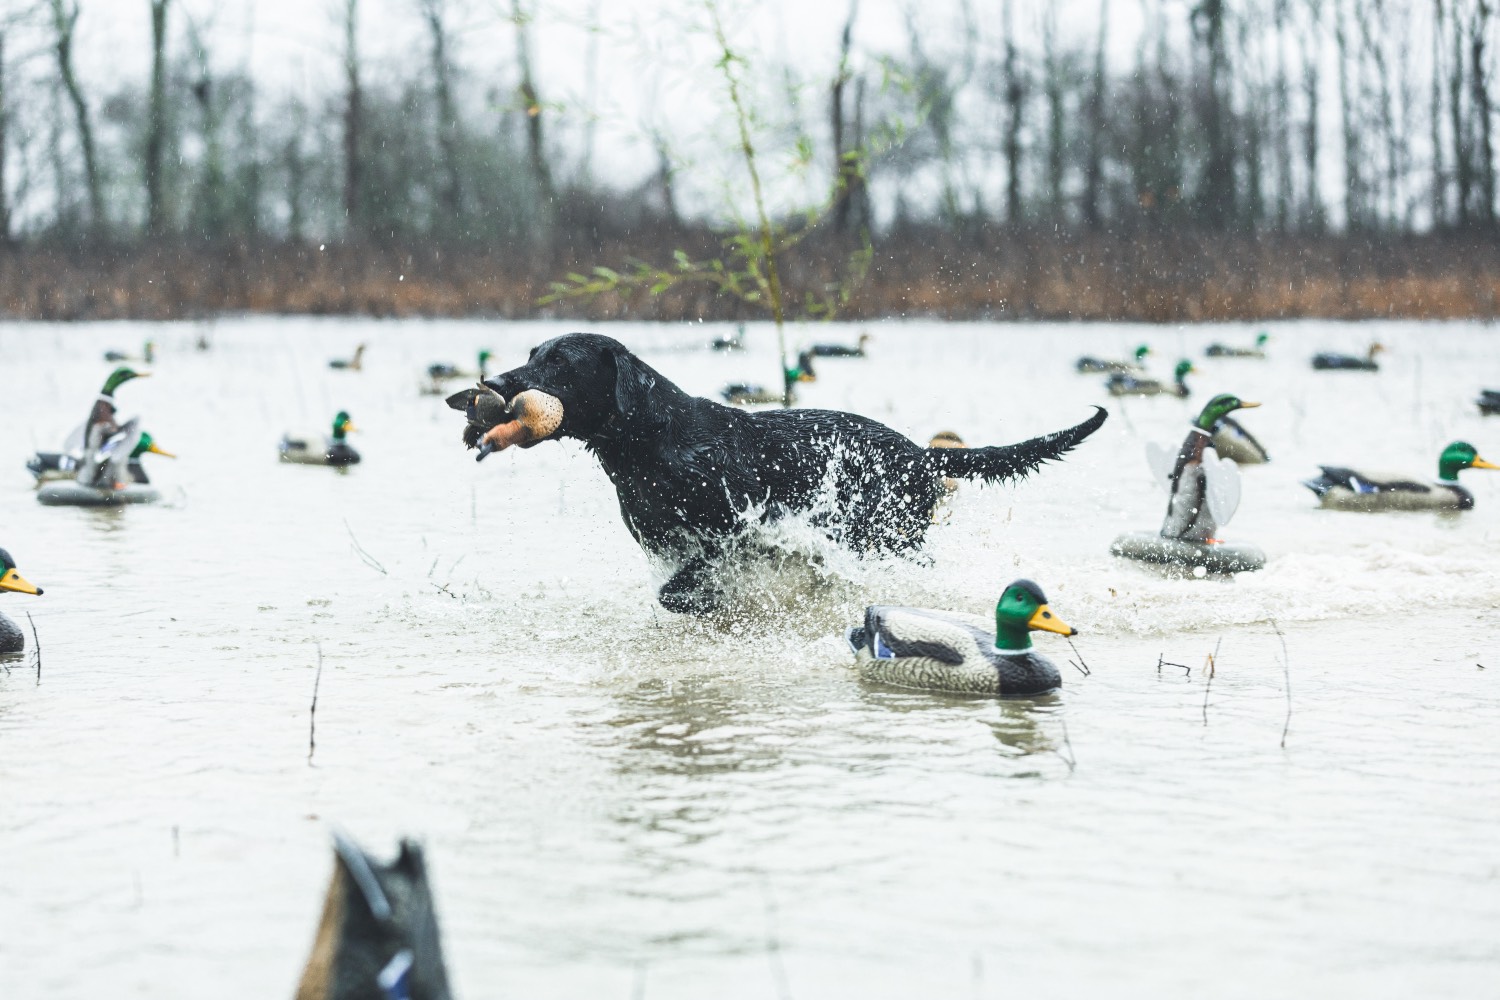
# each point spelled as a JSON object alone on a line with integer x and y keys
{"x": 635, "y": 384}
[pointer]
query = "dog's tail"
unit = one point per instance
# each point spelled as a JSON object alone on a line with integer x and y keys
{"x": 1012, "y": 461}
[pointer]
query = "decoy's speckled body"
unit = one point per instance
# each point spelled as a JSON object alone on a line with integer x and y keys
{"x": 927, "y": 650}
{"x": 1121, "y": 384}
{"x": 315, "y": 449}
{"x": 1087, "y": 365}
{"x": 1229, "y": 351}
{"x": 1330, "y": 361}
{"x": 1340, "y": 488}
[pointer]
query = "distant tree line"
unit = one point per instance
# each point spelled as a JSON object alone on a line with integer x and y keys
{"x": 1305, "y": 118}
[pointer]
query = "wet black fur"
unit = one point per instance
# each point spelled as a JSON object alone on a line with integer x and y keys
{"x": 686, "y": 468}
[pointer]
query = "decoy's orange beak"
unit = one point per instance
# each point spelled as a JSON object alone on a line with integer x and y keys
{"x": 1043, "y": 620}
{"x": 1480, "y": 463}
{"x": 157, "y": 451}
{"x": 13, "y": 582}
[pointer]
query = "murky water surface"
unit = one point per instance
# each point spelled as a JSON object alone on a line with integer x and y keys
{"x": 621, "y": 802}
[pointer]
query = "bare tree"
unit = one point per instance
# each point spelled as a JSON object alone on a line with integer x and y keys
{"x": 1093, "y": 173}
{"x": 1015, "y": 96}
{"x": 1479, "y": 84}
{"x": 848, "y": 171}
{"x": 531, "y": 104}
{"x": 64, "y": 23}
{"x": 156, "y": 117}
{"x": 450, "y": 193}
{"x": 353, "y": 121}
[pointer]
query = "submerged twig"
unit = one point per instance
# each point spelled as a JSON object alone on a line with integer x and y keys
{"x": 359, "y": 550}
{"x": 1162, "y": 661}
{"x": 1072, "y": 758}
{"x": 1286, "y": 668}
{"x": 1212, "y": 666}
{"x": 36, "y": 643}
{"x": 773, "y": 945}
{"x": 312, "y": 712}
{"x": 1082, "y": 667}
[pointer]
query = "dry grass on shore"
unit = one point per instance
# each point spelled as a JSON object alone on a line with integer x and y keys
{"x": 1166, "y": 276}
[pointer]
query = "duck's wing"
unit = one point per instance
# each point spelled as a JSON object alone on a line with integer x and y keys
{"x": 1363, "y": 481}
{"x": 891, "y": 632}
{"x": 1221, "y": 478}
{"x": 113, "y": 456}
{"x": 75, "y": 441}
{"x": 1161, "y": 460}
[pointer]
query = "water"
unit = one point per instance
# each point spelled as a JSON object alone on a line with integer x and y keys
{"x": 620, "y": 802}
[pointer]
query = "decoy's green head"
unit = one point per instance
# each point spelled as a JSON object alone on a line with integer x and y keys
{"x": 1218, "y": 408}
{"x": 148, "y": 443}
{"x": 1022, "y": 610}
{"x": 342, "y": 425}
{"x": 1261, "y": 338}
{"x": 484, "y": 362}
{"x": 119, "y": 377}
{"x": 11, "y": 580}
{"x": 1142, "y": 351}
{"x": 1458, "y": 456}
{"x": 1184, "y": 367}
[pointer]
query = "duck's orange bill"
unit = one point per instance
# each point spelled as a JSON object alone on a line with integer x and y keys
{"x": 1045, "y": 621}
{"x": 13, "y": 582}
{"x": 153, "y": 449}
{"x": 1480, "y": 463}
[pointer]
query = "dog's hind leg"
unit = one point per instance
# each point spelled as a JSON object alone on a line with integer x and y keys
{"x": 693, "y": 589}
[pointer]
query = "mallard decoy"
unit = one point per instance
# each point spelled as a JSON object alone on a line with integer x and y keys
{"x": 1203, "y": 492}
{"x": 304, "y": 449}
{"x": 12, "y": 639}
{"x": 1489, "y": 402}
{"x": 91, "y": 434}
{"x": 1227, "y": 351}
{"x": 378, "y": 937}
{"x": 1097, "y": 366}
{"x": 354, "y": 364}
{"x": 841, "y": 350}
{"x": 109, "y": 476}
{"x": 734, "y": 342}
{"x": 495, "y": 424}
{"x": 1128, "y": 385}
{"x": 148, "y": 354}
{"x": 947, "y": 651}
{"x": 743, "y": 393}
{"x": 1341, "y": 488}
{"x": 1349, "y": 362}
{"x": 52, "y": 466}
{"x": 437, "y": 374}
{"x": 1233, "y": 442}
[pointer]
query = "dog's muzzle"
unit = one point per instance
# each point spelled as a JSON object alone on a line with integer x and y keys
{"x": 535, "y": 417}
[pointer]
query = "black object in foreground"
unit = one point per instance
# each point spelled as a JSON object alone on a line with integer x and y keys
{"x": 693, "y": 475}
{"x": 378, "y": 937}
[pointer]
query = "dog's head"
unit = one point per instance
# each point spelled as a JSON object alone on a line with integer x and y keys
{"x": 581, "y": 385}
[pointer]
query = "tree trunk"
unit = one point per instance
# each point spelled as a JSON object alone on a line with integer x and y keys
{"x": 846, "y": 164}
{"x": 353, "y": 120}
{"x": 1056, "y": 126}
{"x": 156, "y": 118}
{"x": 1463, "y": 176}
{"x": 1484, "y": 152}
{"x": 1093, "y": 174}
{"x": 1353, "y": 206}
{"x": 1015, "y": 94}
{"x": 450, "y": 191}
{"x": 1435, "y": 120}
{"x": 1311, "y": 88}
{"x": 536, "y": 145}
{"x": 64, "y": 21}
{"x": 4, "y": 136}
{"x": 1216, "y": 191}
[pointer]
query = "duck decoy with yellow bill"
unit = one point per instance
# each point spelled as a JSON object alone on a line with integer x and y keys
{"x": 109, "y": 476}
{"x": 318, "y": 449}
{"x": 437, "y": 374}
{"x": 354, "y": 364}
{"x": 378, "y": 937}
{"x": 748, "y": 393}
{"x": 946, "y": 651}
{"x": 1342, "y": 488}
{"x": 1329, "y": 361}
{"x": 1229, "y": 351}
{"x": 1203, "y": 493}
{"x": 97, "y": 428}
{"x": 1128, "y": 385}
{"x": 734, "y": 342}
{"x": 12, "y": 639}
{"x": 841, "y": 350}
{"x": 1087, "y": 365}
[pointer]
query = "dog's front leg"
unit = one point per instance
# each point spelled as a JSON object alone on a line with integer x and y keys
{"x": 693, "y": 589}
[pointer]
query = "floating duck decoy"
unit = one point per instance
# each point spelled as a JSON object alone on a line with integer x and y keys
{"x": 62, "y": 468}
{"x": 94, "y": 431}
{"x": 841, "y": 350}
{"x": 743, "y": 393}
{"x": 1233, "y": 442}
{"x": 956, "y": 653}
{"x": 1228, "y": 351}
{"x": 734, "y": 342}
{"x": 1097, "y": 366}
{"x": 148, "y": 354}
{"x": 316, "y": 449}
{"x": 12, "y": 639}
{"x": 1489, "y": 402}
{"x": 378, "y": 937}
{"x": 525, "y": 421}
{"x": 437, "y": 374}
{"x": 109, "y": 476}
{"x": 1203, "y": 494}
{"x": 1120, "y": 384}
{"x": 1341, "y": 488}
{"x": 354, "y": 364}
{"x": 1349, "y": 362}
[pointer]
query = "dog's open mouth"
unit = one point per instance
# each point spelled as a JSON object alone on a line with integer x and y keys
{"x": 534, "y": 416}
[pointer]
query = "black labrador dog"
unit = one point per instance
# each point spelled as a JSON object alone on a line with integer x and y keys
{"x": 695, "y": 476}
